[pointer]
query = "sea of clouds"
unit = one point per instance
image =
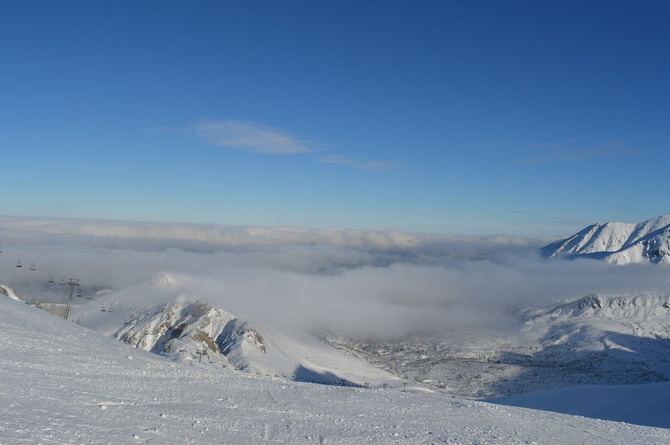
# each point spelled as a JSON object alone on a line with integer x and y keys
{"x": 374, "y": 283}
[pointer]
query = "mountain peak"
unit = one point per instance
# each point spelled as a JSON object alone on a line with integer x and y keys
{"x": 618, "y": 242}
{"x": 162, "y": 279}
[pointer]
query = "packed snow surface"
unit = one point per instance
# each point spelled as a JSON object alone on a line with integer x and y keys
{"x": 63, "y": 384}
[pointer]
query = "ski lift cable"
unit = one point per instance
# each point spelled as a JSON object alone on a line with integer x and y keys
{"x": 31, "y": 264}
{"x": 28, "y": 261}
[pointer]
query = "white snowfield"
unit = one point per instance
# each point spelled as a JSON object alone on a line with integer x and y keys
{"x": 618, "y": 242}
{"x": 63, "y": 384}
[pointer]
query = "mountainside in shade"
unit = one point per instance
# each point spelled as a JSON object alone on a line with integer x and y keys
{"x": 63, "y": 384}
{"x": 618, "y": 242}
{"x": 159, "y": 317}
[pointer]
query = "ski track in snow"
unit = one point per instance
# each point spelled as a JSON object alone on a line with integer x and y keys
{"x": 62, "y": 384}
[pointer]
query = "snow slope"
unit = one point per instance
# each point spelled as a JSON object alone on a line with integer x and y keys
{"x": 639, "y": 404}
{"x": 61, "y": 384}
{"x": 158, "y": 317}
{"x": 618, "y": 242}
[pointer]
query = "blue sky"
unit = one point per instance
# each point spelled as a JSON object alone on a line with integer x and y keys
{"x": 530, "y": 118}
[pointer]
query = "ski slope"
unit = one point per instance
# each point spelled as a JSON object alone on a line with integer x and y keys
{"x": 61, "y": 384}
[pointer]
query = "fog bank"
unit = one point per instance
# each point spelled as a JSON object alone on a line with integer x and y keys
{"x": 357, "y": 282}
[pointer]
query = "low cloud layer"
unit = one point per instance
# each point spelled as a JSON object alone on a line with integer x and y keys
{"x": 365, "y": 283}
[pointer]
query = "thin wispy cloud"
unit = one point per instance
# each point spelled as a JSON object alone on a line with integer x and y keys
{"x": 254, "y": 137}
{"x": 358, "y": 163}
{"x": 251, "y": 137}
{"x": 575, "y": 150}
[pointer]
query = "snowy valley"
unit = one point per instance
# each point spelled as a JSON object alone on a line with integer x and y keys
{"x": 591, "y": 340}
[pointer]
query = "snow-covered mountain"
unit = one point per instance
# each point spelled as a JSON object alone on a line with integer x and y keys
{"x": 592, "y": 340}
{"x": 157, "y": 316}
{"x": 61, "y": 383}
{"x": 618, "y": 242}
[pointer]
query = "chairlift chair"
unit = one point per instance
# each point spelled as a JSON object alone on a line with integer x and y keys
{"x": 51, "y": 279}
{"x": 33, "y": 267}
{"x": 18, "y": 263}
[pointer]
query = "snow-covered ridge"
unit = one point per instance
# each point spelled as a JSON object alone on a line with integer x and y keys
{"x": 162, "y": 279}
{"x": 161, "y": 317}
{"x": 9, "y": 292}
{"x": 186, "y": 328}
{"x": 634, "y": 308}
{"x": 618, "y": 242}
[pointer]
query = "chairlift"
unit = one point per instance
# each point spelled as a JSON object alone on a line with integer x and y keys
{"x": 103, "y": 309}
{"x": 110, "y": 309}
{"x": 18, "y": 263}
{"x": 51, "y": 278}
{"x": 33, "y": 267}
{"x": 78, "y": 294}
{"x": 88, "y": 297}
